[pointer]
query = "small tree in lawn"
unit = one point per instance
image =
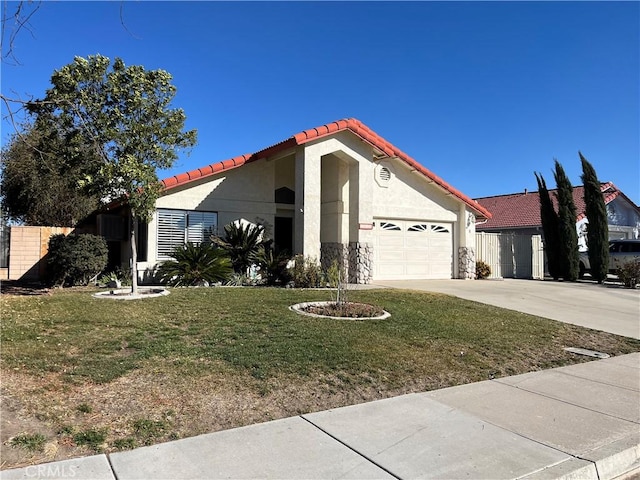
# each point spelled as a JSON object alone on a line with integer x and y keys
{"x": 569, "y": 257}
{"x": 125, "y": 113}
{"x": 598, "y": 227}
{"x": 550, "y": 228}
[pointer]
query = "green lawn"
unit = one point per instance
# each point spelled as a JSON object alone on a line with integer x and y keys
{"x": 251, "y": 330}
{"x": 203, "y": 359}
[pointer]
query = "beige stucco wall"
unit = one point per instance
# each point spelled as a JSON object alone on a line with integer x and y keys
{"x": 27, "y": 248}
{"x": 336, "y": 193}
{"x": 245, "y": 192}
{"x": 410, "y": 195}
{"x": 245, "y": 189}
{"x": 356, "y": 194}
{"x": 335, "y": 189}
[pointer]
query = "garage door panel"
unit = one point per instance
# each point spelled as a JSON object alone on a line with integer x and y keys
{"x": 417, "y": 269}
{"x": 391, "y": 256}
{"x": 393, "y": 240}
{"x": 394, "y": 270}
{"x": 414, "y": 249}
{"x": 439, "y": 240}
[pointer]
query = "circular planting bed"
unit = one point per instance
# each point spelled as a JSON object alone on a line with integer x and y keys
{"x": 125, "y": 293}
{"x": 342, "y": 311}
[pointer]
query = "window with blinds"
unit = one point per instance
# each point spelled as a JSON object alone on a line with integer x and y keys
{"x": 177, "y": 227}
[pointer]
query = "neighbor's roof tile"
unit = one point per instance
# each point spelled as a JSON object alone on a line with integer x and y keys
{"x": 521, "y": 210}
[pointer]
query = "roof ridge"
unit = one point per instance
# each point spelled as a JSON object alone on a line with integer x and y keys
{"x": 353, "y": 124}
{"x": 602, "y": 187}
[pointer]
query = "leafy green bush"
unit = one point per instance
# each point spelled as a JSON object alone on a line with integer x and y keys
{"x": 76, "y": 259}
{"x": 201, "y": 264}
{"x": 306, "y": 272}
{"x": 629, "y": 273}
{"x": 482, "y": 270}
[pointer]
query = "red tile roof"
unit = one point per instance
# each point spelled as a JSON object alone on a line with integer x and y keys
{"x": 301, "y": 138}
{"x": 521, "y": 210}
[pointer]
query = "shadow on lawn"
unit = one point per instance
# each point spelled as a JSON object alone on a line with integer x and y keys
{"x": 19, "y": 288}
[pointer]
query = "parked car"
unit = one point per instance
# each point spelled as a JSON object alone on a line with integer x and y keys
{"x": 620, "y": 252}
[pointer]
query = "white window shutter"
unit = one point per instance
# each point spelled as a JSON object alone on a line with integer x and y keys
{"x": 171, "y": 231}
{"x": 177, "y": 227}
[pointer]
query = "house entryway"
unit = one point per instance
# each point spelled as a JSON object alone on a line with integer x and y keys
{"x": 283, "y": 234}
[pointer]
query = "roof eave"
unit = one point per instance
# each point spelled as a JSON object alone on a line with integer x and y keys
{"x": 351, "y": 124}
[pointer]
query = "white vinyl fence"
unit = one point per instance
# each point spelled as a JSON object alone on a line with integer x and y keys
{"x": 510, "y": 255}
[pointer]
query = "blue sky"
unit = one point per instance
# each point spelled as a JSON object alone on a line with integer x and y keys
{"x": 481, "y": 93}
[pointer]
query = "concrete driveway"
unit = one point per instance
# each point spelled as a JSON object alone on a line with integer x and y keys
{"x": 609, "y": 307}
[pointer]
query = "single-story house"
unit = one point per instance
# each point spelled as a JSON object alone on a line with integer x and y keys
{"x": 336, "y": 192}
{"x": 519, "y": 213}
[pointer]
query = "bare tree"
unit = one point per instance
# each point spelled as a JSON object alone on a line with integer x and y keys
{"x": 15, "y": 21}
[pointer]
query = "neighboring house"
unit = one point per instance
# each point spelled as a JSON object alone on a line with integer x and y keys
{"x": 335, "y": 192}
{"x": 520, "y": 213}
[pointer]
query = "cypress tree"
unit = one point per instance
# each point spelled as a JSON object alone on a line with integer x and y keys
{"x": 569, "y": 258}
{"x": 598, "y": 228}
{"x": 549, "y": 219}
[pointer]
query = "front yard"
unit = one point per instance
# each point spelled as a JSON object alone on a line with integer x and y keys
{"x": 82, "y": 375}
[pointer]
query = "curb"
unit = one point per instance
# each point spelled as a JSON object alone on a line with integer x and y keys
{"x": 617, "y": 458}
{"x": 614, "y": 461}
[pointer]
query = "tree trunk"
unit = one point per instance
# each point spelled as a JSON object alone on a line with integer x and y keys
{"x": 134, "y": 256}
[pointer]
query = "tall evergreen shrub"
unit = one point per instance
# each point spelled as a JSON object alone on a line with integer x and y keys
{"x": 598, "y": 228}
{"x": 550, "y": 228}
{"x": 569, "y": 258}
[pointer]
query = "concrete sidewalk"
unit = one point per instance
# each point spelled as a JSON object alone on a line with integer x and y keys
{"x": 581, "y": 421}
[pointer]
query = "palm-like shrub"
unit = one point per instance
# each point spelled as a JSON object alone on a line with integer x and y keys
{"x": 242, "y": 244}
{"x": 273, "y": 265}
{"x": 201, "y": 264}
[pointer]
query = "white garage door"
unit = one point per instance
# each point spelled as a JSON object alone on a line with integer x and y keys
{"x": 412, "y": 249}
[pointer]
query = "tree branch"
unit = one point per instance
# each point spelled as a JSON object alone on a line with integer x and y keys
{"x": 122, "y": 21}
{"x": 21, "y": 21}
